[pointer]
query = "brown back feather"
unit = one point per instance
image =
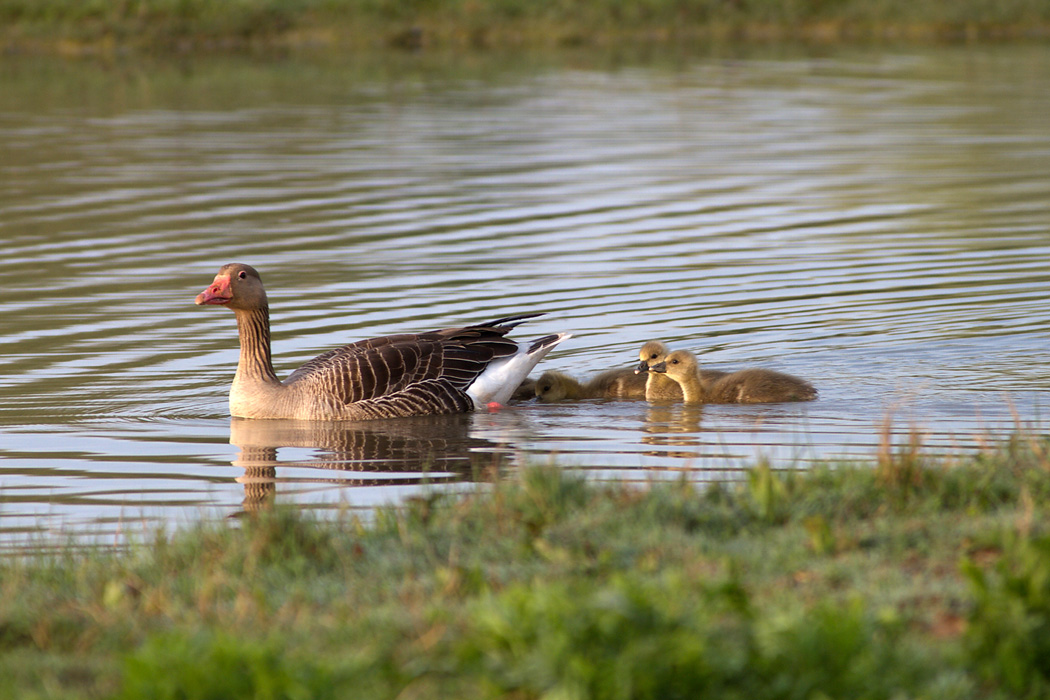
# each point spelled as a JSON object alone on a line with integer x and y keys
{"x": 419, "y": 372}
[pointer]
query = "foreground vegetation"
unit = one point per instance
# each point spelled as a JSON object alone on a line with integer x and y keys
{"x": 908, "y": 578}
{"x": 162, "y": 25}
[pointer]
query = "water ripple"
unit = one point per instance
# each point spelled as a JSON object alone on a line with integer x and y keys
{"x": 876, "y": 223}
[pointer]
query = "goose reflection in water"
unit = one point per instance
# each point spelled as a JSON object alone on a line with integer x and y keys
{"x": 414, "y": 450}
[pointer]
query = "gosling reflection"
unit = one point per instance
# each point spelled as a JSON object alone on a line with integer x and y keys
{"x": 672, "y": 426}
{"x": 707, "y": 437}
{"x": 674, "y": 418}
{"x": 678, "y": 431}
{"x": 399, "y": 451}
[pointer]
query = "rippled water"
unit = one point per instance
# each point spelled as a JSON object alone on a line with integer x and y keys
{"x": 876, "y": 222}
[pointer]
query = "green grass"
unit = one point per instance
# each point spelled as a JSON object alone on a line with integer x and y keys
{"x": 182, "y": 25}
{"x": 912, "y": 577}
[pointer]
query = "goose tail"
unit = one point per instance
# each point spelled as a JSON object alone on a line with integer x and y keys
{"x": 499, "y": 380}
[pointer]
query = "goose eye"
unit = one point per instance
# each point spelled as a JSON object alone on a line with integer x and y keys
{"x": 242, "y": 275}
{"x": 545, "y": 388}
{"x": 674, "y": 362}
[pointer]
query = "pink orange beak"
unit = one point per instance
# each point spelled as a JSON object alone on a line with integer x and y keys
{"x": 218, "y": 292}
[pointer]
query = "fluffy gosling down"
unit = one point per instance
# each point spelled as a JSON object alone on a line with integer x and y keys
{"x": 658, "y": 386}
{"x": 755, "y": 385}
{"x": 622, "y": 383}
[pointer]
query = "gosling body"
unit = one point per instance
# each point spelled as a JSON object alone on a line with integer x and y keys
{"x": 621, "y": 383}
{"x": 756, "y": 385}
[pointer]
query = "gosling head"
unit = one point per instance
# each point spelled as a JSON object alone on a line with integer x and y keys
{"x": 554, "y": 386}
{"x": 651, "y": 353}
{"x": 676, "y": 365}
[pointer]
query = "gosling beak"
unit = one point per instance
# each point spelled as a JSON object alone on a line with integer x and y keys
{"x": 643, "y": 366}
{"x": 658, "y": 367}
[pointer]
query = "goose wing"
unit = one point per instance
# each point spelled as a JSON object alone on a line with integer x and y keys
{"x": 409, "y": 373}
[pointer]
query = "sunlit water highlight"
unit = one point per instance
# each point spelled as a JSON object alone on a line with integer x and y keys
{"x": 876, "y": 223}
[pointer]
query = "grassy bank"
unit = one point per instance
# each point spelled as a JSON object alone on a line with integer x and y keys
{"x": 182, "y": 25}
{"x": 907, "y": 578}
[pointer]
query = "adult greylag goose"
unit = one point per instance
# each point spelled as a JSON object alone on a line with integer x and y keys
{"x": 660, "y": 387}
{"x": 620, "y": 383}
{"x": 454, "y": 370}
{"x": 743, "y": 386}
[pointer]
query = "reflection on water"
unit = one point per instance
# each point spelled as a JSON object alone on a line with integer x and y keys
{"x": 419, "y": 450}
{"x": 873, "y": 222}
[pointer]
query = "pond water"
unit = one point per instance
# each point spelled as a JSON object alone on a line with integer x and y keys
{"x": 875, "y": 221}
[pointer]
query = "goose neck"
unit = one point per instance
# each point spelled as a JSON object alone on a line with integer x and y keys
{"x": 253, "y": 327}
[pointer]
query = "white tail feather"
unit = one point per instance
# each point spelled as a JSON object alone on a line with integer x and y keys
{"x": 502, "y": 377}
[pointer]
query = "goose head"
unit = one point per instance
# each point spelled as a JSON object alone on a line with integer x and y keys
{"x": 651, "y": 353}
{"x": 237, "y": 286}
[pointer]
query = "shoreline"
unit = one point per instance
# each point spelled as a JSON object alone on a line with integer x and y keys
{"x": 64, "y": 34}
{"x": 910, "y": 575}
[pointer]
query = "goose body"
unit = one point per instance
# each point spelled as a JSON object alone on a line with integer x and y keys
{"x": 454, "y": 370}
{"x": 621, "y": 383}
{"x": 755, "y": 385}
{"x": 660, "y": 387}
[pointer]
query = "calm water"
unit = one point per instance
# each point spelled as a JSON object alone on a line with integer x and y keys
{"x": 876, "y": 222}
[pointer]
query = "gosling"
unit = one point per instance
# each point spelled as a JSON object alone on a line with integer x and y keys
{"x": 744, "y": 386}
{"x": 660, "y": 387}
{"x": 612, "y": 384}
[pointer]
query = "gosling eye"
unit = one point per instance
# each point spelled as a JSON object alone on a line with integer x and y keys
{"x": 545, "y": 388}
{"x": 242, "y": 275}
{"x": 674, "y": 362}
{"x": 652, "y": 356}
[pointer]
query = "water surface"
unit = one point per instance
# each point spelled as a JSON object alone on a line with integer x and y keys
{"x": 876, "y": 222}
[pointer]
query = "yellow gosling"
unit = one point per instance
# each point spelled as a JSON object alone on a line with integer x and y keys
{"x": 744, "y": 386}
{"x": 557, "y": 386}
{"x": 621, "y": 383}
{"x": 659, "y": 387}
